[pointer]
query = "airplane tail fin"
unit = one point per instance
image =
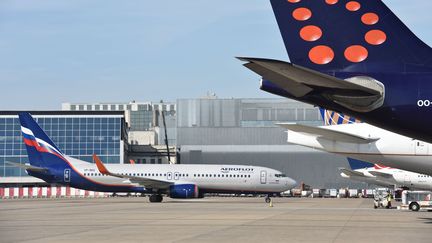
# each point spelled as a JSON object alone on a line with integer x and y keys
{"x": 350, "y": 36}
{"x": 358, "y": 164}
{"x": 380, "y": 167}
{"x": 41, "y": 150}
{"x": 334, "y": 118}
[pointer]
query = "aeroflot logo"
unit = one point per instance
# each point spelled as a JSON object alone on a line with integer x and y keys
{"x": 226, "y": 170}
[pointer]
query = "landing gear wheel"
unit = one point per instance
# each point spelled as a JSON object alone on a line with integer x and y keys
{"x": 267, "y": 199}
{"x": 155, "y": 198}
{"x": 415, "y": 206}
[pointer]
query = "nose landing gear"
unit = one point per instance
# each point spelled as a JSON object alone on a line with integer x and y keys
{"x": 267, "y": 199}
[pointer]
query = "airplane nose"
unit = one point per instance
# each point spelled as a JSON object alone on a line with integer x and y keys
{"x": 290, "y": 183}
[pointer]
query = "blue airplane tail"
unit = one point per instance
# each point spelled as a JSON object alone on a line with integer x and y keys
{"x": 41, "y": 150}
{"x": 348, "y": 36}
{"x": 359, "y": 164}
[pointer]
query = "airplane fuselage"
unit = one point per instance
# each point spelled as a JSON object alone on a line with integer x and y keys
{"x": 401, "y": 178}
{"x": 390, "y": 149}
{"x": 207, "y": 178}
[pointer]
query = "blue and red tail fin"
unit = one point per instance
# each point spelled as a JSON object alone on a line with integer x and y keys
{"x": 350, "y": 36}
{"x": 39, "y": 146}
{"x": 334, "y": 118}
{"x": 359, "y": 164}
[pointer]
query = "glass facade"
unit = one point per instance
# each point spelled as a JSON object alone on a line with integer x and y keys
{"x": 78, "y": 136}
{"x": 141, "y": 120}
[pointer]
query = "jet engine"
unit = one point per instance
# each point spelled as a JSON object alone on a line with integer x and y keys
{"x": 183, "y": 191}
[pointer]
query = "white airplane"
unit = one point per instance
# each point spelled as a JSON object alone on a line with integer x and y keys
{"x": 48, "y": 163}
{"x": 364, "y": 142}
{"x": 386, "y": 176}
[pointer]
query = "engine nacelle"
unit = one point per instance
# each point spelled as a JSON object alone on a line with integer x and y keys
{"x": 184, "y": 191}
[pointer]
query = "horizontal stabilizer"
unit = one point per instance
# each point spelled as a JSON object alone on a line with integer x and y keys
{"x": 381, "y": 174}
{"x": 356, "y": 93}
{"x": 351, "y": 172}
{"x": 328, "y": 134}
{"x": 27, "y": 167}
{"x": 145, "y": 182}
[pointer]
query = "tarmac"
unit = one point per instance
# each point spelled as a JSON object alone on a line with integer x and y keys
{"x": 214, "y": 219}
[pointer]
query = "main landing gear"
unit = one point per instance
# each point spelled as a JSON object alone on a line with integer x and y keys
{"x": 155, "y": 198}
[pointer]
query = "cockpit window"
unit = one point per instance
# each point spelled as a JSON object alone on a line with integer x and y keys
{"x": 280, "y": 175}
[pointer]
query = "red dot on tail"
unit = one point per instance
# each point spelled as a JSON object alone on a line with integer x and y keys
{"x": 353, "y": 6}
{"x": 293, "y": 1}
{"x": 370, "y": 18}
{"x": 331, "y": 2}
{"x": 321, "y": 55}
{"x": 310, "y": 33}
{"x": 375, "y": 37}
{"x": 356, "y": 53}
{"x": 302, "y": 14}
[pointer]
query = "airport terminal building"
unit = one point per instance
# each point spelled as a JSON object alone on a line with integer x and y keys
{"x": 206, "y": 130}
{"x": 244, "y": 131}
{"x": 78, "y": 134}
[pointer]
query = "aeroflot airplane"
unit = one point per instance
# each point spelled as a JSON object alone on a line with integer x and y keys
{"x": 386, "y": 176}
{"x": 348, "y": 137}
{"x": 354, "y": 57}
{"x": 48, "y": 163}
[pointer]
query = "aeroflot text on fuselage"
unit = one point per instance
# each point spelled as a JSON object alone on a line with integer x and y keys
{"x": 226, "y": 170}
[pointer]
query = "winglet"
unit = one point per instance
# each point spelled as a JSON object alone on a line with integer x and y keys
{"x": 101, "y": 167}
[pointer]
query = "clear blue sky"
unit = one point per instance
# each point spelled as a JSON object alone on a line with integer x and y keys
{"x": 54, "y": 51}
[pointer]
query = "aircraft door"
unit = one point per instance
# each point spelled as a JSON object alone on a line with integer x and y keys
{"x": 169, "y": 176}
{"x": 263, "y": 177}
{"x": 407, "y": 180}
{"x": 176, "y": 175}
{"x": 67, "y": 175}
{"x": 421, "y": 148}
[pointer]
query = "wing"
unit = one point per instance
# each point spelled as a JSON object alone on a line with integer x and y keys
{"x": 327, "y": 133}
{"x": 27, "y": 167}
{"x": 145, "y": 182}
{"x": 351, "y": 172}
{"x": 359, "y": 93}
{"x": 381, "y": 174}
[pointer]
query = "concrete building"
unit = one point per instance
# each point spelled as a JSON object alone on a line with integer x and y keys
{"x": 243, "y": 131}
